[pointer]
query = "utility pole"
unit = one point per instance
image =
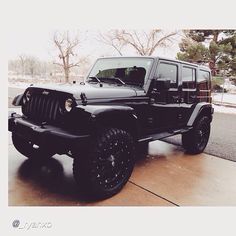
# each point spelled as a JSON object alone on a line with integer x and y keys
{"x": 222, "y": 94}
{"x": 224, "y": 77}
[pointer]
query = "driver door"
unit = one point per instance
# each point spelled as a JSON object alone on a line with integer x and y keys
{"x": 166, "y": 108}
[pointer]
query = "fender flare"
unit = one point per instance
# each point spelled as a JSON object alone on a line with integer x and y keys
{"x": 199, "y": 108}
{"x": 17, "y": 101}
{"x": 114, "y": 115}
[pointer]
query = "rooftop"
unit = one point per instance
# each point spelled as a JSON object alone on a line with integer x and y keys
{"x": 164, "y": 58}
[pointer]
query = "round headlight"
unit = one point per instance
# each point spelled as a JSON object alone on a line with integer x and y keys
{"x": 68, "y": 104}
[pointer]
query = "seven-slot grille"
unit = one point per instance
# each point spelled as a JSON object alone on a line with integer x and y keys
{"x": 42, "y": 106}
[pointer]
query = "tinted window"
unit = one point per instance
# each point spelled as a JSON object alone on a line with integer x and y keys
{"x": 203, "y": 76}
{"x": 188, "y": 74}
{"x": 168, "y": 72}
{"x": 188, "y": 77}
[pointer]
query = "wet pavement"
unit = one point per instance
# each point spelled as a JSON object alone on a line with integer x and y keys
{"x": 165, "y": 177}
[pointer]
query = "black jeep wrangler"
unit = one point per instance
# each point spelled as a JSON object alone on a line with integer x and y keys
{"x": 124, "y": 103}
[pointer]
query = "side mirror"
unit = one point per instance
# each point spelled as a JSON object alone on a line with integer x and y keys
{"x": 162, "y": 84}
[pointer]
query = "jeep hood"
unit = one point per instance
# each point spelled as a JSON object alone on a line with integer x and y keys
{"x": 93, "y": 91}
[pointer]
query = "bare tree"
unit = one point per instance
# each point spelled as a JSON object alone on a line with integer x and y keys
{"x": 32, "y": 65}
{"x": 84, "y": 65}
{"x": 23, "y": 59}
{"x": 110, "y": 38}
{"x": 67, "y": 46}
{"x": 144, "y": 42}
{"x": 29, "y": 65}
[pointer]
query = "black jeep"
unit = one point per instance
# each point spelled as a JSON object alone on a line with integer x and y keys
{"x": 124, "y": 103}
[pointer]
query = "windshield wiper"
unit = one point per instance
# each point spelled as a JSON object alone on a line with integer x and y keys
{"x": 115, "y": 79}
{"x": 95, "y": 77}
{"x": 122, "y": 82}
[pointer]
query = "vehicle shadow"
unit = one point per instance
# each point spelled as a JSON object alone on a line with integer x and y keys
{"x": 50, "y": 176}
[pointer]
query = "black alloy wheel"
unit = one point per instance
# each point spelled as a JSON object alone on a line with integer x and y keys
{"x": 106, "y": 168}
{"x": 195, "y": 140}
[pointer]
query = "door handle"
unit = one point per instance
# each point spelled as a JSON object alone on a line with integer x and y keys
{"x": 175, "y": 98}
{"x": 155, "y": 92}
{"x": 178, "y": 99}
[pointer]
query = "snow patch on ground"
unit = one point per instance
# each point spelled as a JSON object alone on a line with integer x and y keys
{"x": 159, "y": 148}
{"x": 227, "y": 97}
{"x": 19, "y": 85}
{"x": 23, "y": 85}
{"x": 16, "y": 110}
{"x": 224, "y": 109}
{"x": 228, "y": 85}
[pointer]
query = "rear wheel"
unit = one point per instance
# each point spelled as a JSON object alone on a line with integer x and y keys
{"x": 196, "y": 139}
{"x": 29, "y": 149}
{"x": 103, "y": 170}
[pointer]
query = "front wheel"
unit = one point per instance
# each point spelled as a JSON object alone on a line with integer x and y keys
{"x": 195, "y": 140}
{"x": 103, "y": 170}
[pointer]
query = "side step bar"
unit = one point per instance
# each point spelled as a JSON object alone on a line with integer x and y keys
{"x": 159, "y": 136}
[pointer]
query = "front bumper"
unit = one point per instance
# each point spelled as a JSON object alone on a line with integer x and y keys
{"x": 58, "y": 139}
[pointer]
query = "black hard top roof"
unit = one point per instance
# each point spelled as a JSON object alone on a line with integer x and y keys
{"x": 163, "y": 58}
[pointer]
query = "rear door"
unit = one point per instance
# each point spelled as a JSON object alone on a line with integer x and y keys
{"x": 204, "y": 86}
{"x": 188, "y": 92}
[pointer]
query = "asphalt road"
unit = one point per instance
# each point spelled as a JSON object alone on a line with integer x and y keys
{"x": 222, "y": 141}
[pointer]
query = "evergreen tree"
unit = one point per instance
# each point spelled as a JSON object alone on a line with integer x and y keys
{"x": 215, "y": 47}
{"x": 228, "y": 61}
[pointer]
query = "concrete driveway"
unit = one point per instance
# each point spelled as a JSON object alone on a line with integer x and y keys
{"x": 166, "y": 177}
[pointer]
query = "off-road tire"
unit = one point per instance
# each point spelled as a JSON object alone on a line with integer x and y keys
{"x": 105, "y": 168}
{"x": 195, "y": 140}
{"x": 27, "y": 149}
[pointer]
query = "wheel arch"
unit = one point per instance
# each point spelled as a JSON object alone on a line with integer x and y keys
{"x": 17, "y": 101}
{"x": 121, "y": 120}
{"x": 119, "y": 117}
{"x": 200, "y": 110}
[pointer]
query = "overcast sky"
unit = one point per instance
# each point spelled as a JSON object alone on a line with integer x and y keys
{"x": 39, "y": 44}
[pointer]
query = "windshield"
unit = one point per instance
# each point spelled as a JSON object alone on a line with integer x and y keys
{"x": 132, "y": 71}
